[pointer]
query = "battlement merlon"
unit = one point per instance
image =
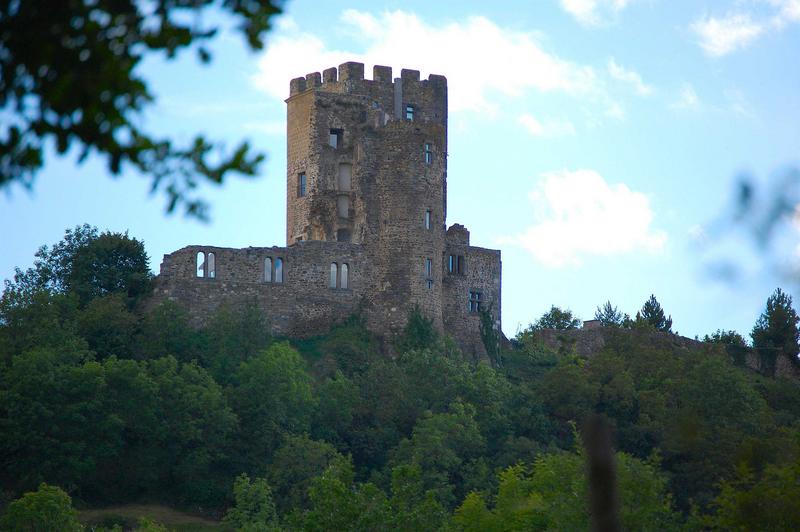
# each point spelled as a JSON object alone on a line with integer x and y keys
{"x": 352, "y": 74}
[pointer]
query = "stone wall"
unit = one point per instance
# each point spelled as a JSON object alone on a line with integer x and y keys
{"x": 481, "y": 272}
{"x": 302, "y": 305}
{"x": 589, "y": 342}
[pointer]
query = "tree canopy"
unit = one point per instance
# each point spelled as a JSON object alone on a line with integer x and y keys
{"x": 652, "y": 315}
{"x": 118, "y": 403}
{"x": 610, "y": 316}
{"x": 776, "y": 332}
{"x": 68, "y": 76}
{"x": 558, "y": 319}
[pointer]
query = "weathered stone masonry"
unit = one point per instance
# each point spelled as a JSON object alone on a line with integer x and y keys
{"x": 366, "y": 193}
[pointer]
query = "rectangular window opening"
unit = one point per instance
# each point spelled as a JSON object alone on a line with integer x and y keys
{"x": 409, "y": 112}
{"x": 428, "y": 219}
{"x": 428, "y": 153}
{"x": 335, "y": 138}
{"x": 301, "y": 184}
{"x": 475, "y": 300}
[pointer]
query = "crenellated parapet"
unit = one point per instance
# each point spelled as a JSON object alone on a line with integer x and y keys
{"x": 353, "y": 74}
{"x": 393, "y": 95}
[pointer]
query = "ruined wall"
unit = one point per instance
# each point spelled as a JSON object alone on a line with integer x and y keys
{"x": 480, "y": 272}
{"x": 302, "y": 305}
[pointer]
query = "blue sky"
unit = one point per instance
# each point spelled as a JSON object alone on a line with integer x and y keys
{"x": 596, "y": 143}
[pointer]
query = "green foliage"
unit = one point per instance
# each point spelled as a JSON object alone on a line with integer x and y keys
{"x": 350, "y": 345}
{"x": 552, "y": 496}
{"x": 272, "y": 396}
{"x": 567, "y": 394}
{"x": 233, "y": 335}
{"x": 45, "y": 321}
{"x": 111, "y": 263}
{"x": 254, "y": 510}
{"x": 294, "y": 465}
{"x": 413, "y": 507}
{"x": 338, "y": 400}
{"x": 85, "y": 263}
{"x": 557, "y": 319}
{"x": 54, "y": 424}
{"x": 490, "y": 335}
{"x": 443, "y": 446}
{"x": 148, "y": 525}
{"x": 610, "y": 316}
{"x": 83, "y": 88}
{"x": 165, "y": 331}
{"x": 52, "y": 268}
{"x": 733, "y": 342}
{"x": 418, "y": 333}
{"x": 715, "y": 410}
{"x": 337, "y": 503}
{"x": 48, "y": 508}
{"x": 768, "y": 502}
{"x": 108, "y": 327}
{"x": 776, "y": 332}
{"x": 652, "y": 316}
{"x": 196, "y": 426}
{"x": 124, "y": 403}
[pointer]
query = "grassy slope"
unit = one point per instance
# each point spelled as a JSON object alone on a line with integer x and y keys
{"x": 130, "y": 513}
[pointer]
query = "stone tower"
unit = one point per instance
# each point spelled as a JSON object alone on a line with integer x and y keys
{"x": 367, "y": 164}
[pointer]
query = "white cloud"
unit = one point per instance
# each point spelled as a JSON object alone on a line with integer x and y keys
{"x": 720, "y": 36}
{"x": 628, "y": 76}
{"x": 549, "y": 128}
{"x": 593, "y": 12}
{"x": 579, "y": 214}
{"x": 479, "y": 58}
{"x": 788, "y": 12}
{"x": 687, "y": 99}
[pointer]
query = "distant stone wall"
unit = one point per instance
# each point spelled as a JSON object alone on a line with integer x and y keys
{"x": 302, "y": 305}
{"x": 589, "y": 342}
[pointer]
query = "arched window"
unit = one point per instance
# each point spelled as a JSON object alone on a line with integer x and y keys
{"x": 345, "y": 280}
{"x": 268, "y": 270}
{"x": 212, "y": 266}
{"x": 201, "y": 264}
{"x": 278, "y": 270}
{"x": 334, "y": 275}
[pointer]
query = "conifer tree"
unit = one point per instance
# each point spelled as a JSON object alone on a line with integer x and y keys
{"x": 610, "y": 316}
{"x": 776, "y": 332}
{"x": 653, "y": 315}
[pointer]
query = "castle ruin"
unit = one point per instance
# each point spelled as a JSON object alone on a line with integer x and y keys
{"x": 366, "y": 195}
